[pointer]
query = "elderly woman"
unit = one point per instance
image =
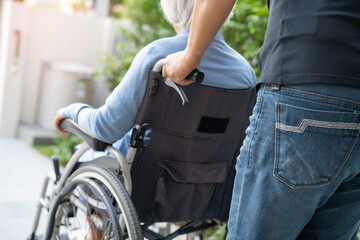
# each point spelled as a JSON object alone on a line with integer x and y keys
{"x": 112, "y": 121}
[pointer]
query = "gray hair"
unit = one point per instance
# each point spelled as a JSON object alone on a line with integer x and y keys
{"x": 179, "y": 12}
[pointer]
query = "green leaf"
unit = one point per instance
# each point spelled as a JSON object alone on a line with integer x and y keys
{"x": 245, "y": 33}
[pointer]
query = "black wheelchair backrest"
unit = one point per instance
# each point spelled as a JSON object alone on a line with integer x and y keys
{"x": 186, "y": 171}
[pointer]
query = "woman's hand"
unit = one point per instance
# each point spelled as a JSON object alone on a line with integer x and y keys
{"x": 57, "y": 120}
{"x": 178, "y": 65}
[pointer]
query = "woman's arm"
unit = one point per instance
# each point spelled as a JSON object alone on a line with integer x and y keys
{"x": 111, "y": 121}
{"x": 208, "y": 17}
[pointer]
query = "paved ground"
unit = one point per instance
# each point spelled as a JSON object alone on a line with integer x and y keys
{"x": 22, "y": 170}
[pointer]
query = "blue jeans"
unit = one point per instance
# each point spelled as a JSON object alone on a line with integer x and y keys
{"x": 298, "y": 173}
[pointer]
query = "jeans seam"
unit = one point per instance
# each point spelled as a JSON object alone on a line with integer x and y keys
{"x": 356, "y": 135}
{"x": 276, "y": 141}
{"x": 261, "y": 100}
{"x": 305, "y": 123}
{"x": 330, "y": 179}
{"x": 322, "y": 96}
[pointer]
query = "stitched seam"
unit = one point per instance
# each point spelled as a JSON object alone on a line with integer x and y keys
{"x": 341, "y": 165}
{"x": 220, "y": 105}
{"x": 256, "y": 124}
{"x": 338, "y": 169}
{"x": 277, "y": 140}
{"x": 308, "y": 75}
{"x": 346, "y": 156}
{"x": 168, "y": 109}
{"x": 314, "y": 123}
{"x": 319, "y": 95}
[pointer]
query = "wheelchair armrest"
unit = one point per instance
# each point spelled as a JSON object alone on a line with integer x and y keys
{"x": 69, "y": 125}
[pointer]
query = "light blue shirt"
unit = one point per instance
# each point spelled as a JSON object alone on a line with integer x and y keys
{"x": 223, "y": 67}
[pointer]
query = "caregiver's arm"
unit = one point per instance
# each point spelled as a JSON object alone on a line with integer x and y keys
{"x": 208, "y": 17}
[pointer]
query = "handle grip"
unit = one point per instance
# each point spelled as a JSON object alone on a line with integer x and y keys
{"x": 196, "y": 76}
{"x": 55, "y": 160}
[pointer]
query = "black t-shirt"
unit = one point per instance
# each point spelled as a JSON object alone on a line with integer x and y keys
{"x": 312, "y": 41}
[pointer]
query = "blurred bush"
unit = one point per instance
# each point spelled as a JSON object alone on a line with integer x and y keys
{"x": 147, "y": 25}
{"x": 63, "y": 147}
{"x": 246, "y": 29}
{"x": 245, "y": 33}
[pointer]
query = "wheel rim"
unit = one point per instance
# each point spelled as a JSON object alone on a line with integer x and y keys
{"x": 125, "y": 225}
{"x": 77, "y": 219}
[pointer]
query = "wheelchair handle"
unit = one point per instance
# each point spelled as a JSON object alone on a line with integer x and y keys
{"x": 196, "y": 76}
{"x": 68, "y": 125}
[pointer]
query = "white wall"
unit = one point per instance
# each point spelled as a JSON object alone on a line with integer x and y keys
{"x": 56, "y": 36}
{"x": 11, "y": 76}
{"x": 46, "y": 35}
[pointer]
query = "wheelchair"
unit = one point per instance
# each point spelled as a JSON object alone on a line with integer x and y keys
{"x": 184, "y": 173}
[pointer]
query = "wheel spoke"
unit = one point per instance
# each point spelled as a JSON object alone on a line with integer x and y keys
{"x": 91, "y": 210}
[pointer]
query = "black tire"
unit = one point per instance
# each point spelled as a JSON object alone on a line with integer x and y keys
{"x": 115, "y": 192}
{"x": 70, "y": 217}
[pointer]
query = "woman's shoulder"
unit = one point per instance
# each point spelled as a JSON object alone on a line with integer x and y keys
{"x": 154, "y": 51}
{"x": 166, "y": 46}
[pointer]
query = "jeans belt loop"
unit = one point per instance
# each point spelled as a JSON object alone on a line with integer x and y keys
{"x": 275, "y": 87}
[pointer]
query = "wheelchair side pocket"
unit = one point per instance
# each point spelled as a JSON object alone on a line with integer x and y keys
{"x": 184, "y": 190}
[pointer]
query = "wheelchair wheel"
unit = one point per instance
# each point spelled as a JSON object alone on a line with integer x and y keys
{"x": 84, "y": 211}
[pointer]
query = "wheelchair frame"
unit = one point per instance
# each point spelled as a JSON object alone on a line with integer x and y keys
{"x": 49, "y": 202}
{"x": 60, "y": 182}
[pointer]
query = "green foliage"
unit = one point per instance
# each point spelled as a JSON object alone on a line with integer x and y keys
{"x": 148, "y": 21}
{"x": 245, "y": 33}
{"x": 246, "y": 30}
{"x": 147, "y": 25}
{"x": 64, "y": 147}
{"x": 215, "y": 233}
{"x": 46, "y": 150}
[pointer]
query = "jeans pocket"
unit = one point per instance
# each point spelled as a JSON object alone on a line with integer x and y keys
{"x": 312, "y": 146}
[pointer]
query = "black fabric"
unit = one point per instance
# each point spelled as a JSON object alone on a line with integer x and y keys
{"x": 312, "y": 41}
{"x": 213, "y": 125}
{"x": 185, "y": 174}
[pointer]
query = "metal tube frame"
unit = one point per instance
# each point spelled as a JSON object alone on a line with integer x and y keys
{"x": 58, "y": 185}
